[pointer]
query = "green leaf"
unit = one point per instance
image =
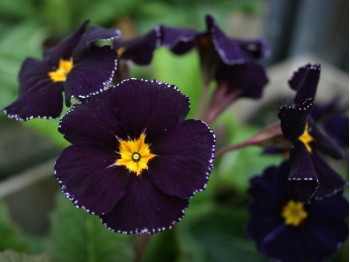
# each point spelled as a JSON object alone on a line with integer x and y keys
{"x": 218, "y": 235}
{"x": 78, "y": 236}
{"x": 11, "y": 256}
{"x": 10, "y": 236}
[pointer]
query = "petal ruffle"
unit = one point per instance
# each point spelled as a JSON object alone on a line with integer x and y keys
{"x": 302, "y": 173}
{"x": 89, "y": 177}
{"x": 144, "y": 209}
{"x": 184, "y": 159}
{"x": 305, "y": 81}
{"x": 65, "y": 49}
{"x": 91, "y": 74}
{"x": 42, "y": 100}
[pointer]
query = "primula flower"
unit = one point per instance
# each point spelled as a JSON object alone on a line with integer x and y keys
{"x": 309, "y": 172}
{"x": 134, "y": 161}
{"x": 232, "y": 62}
{"x": 286, "y": 229}
{"x": 76, "y": 66}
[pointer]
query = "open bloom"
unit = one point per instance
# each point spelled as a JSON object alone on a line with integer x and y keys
{"x": 232, "y": 62}
{"x": 286, "y": 229}
{"x": 134, "y": 161}
{"x": 309, "y": 172}
{"x": 76, "y": 66}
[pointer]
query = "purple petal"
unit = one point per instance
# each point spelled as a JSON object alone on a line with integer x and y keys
{"x": 91, "y": 74}
{"x": 65, "y": 49}
{"x": 294, "y": 118}
{"x": 323, "y": 144}
{"x": 270, "y": 190}
{"x": 32, "y": 72}
{"x": 302, "y": 173}
{"x": 330, "y": 182}
{"x": 322, "y": 240}
{"x": 184, "y": 159}
{"x": 284, "y": 243}
{"x": 337, "y": 127}
{"x": 89, "y": 177}
{"x": 179, "y": 40}
{"x": 234, "y": 51}
{"x": 93, "y": 35}
{"x": 144, "y": 209}
{"x": 126, "y": 111}
{"x": 148, "y": 106}
{"x": 92, "y": 121}
{"x": 260, "y": 225}
{"x": 249, "y": 78}
{"x": 330, "y": 210}
{"x": 139, "y": 50}
{"x": 43, "y": 100}
{"x": 305, "y": 81}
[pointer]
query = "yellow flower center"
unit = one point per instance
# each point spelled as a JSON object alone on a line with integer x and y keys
{"x": 294, "y": 213}
{"x": 120, "y": 51}
{"x": 134, "y": 154}
{"x": 64, "y": 67}
{"x": 306, "y": 138}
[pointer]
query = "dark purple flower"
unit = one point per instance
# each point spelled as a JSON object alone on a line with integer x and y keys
{"x": 134, "y": 161}
{"x": 76, "y": 66}
{"x": 232, "y": 62}
{"x": 311, "y": 174}
{"x": 286, "y": 229}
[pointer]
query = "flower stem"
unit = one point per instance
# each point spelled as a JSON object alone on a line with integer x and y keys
{"x": 140, "y": 247}
{"x": 268, "y": 136}
{"x": 203, "y": 100}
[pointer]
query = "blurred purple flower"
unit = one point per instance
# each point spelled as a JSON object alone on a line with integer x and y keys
{"x": 75, "y": 66}
{"x": 232, "y": 62}
{"x": 286, "y": 229}
{"x": 309, "y": 172}
{"x": 134, "y": 161}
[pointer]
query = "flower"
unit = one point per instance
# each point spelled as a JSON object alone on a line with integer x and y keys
{"x": 309, "y": 172}
{"x": 76, "y": 66}
{"x": 232, "y": 62}
{"x": 286, "y": 229}
{"x": 134, "y": 161}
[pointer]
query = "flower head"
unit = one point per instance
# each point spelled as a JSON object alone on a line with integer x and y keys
{"x": 231, "y": 62}
{"x": 309, "y": 172}
{"x": 76, "y": 66}
{"x": 286, "y": 229}
{"x": 134, "y": 161}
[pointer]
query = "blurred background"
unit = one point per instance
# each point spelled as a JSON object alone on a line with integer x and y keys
{"x": 298, "y": 32}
